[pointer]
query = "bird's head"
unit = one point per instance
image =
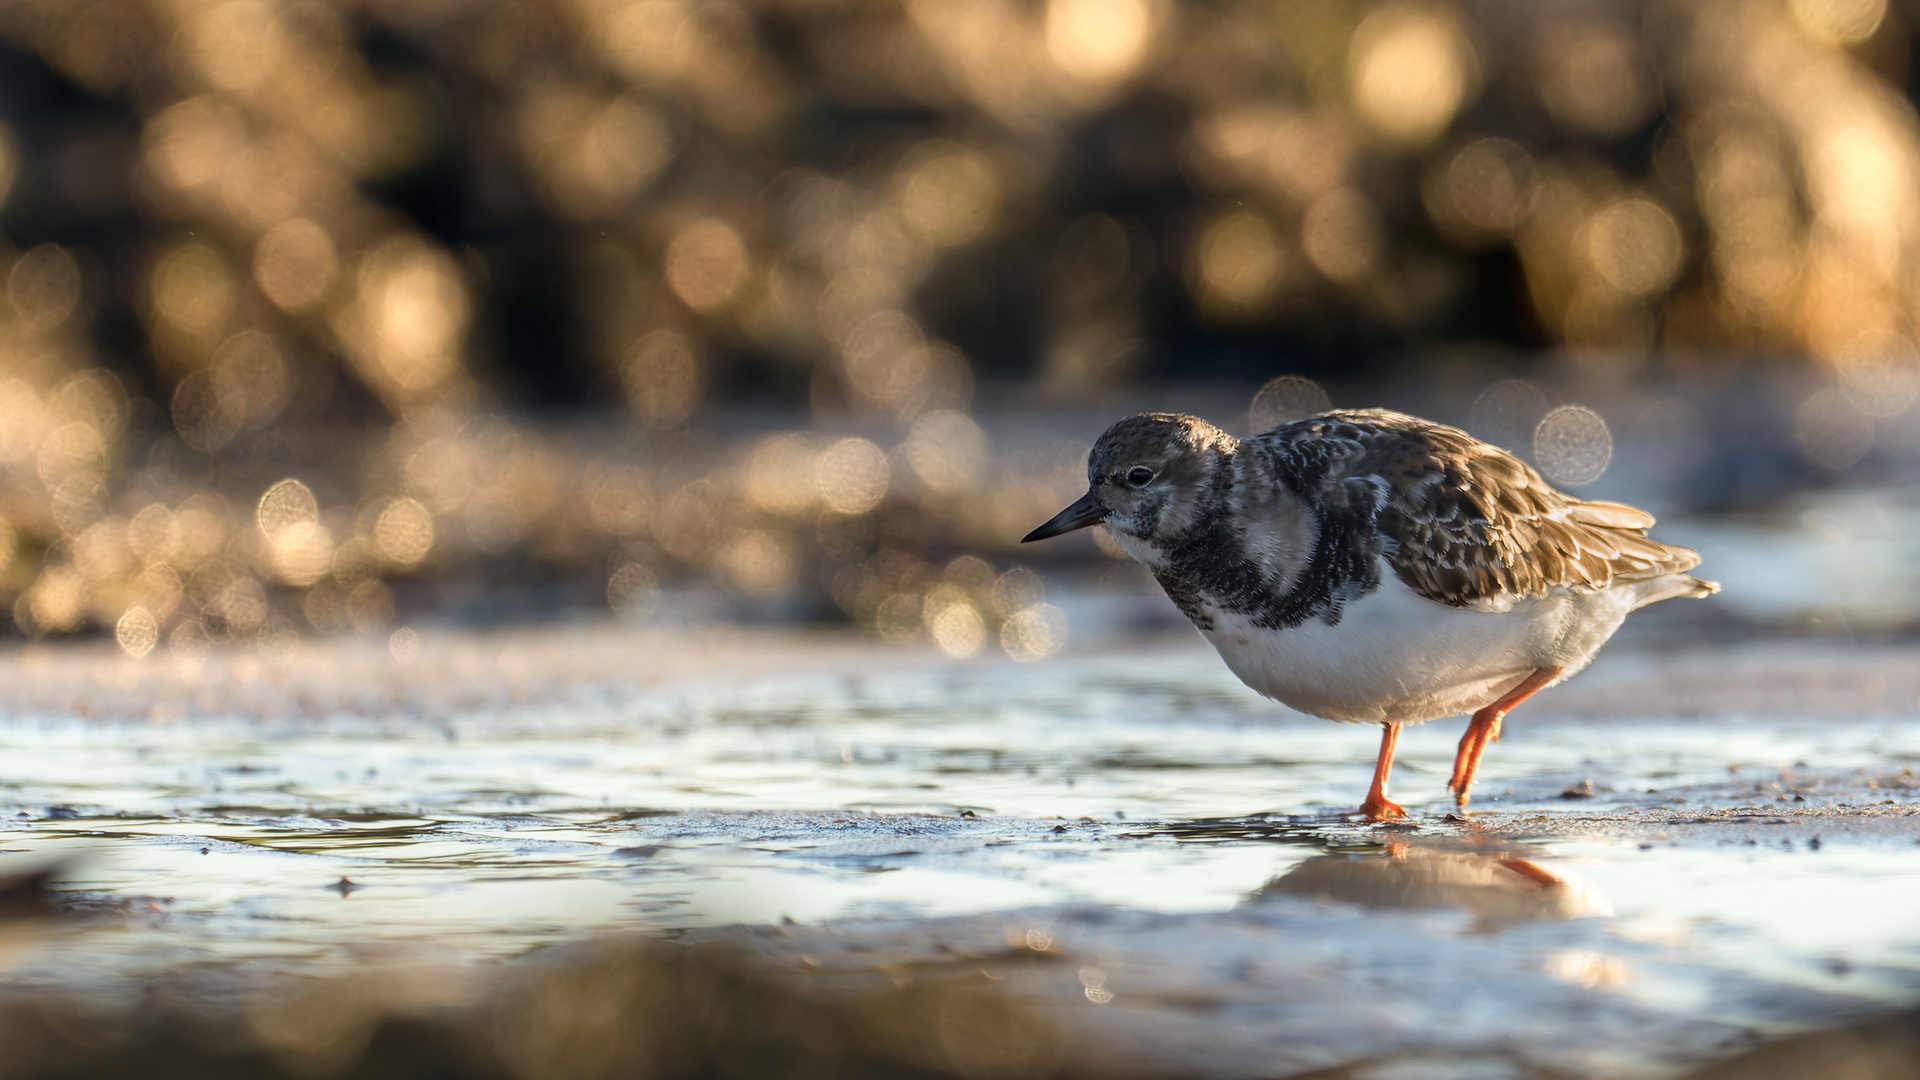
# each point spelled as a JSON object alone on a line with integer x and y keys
{"x": 1145, "y": 476}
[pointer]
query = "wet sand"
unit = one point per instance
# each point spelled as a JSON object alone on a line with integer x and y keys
{"x": 1119, "y": 849}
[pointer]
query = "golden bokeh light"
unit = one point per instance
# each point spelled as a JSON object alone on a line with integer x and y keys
{"x": 782, "y": 474}
{"x": 286, "y": 506}
{"x": 301, "y": 554}
{"x": 689, "y": 522}
{"x": 872, "y": 265}
{"x": 188, "y": 642}
{"x": 1748, "y": 200}
{"x": 1488, "y": 184}
{"x": 1283, "y": 399}
{"x": 1102, "y": 350}
{"x": 192, "y": 290}
{"x": 407, "y": 324}
{"x": 92, "y": 397}
{"x": 662, "y": 378}
{"x": 403, "y": 645}
{"x": 24, "y": 421}
{"x": 1842, "y": 22}
{"x": 1635, "y": 246}
{"x": 948, "y": 192}
{"x": 972, "y": 573}
{"x": 332, "y": 263}
{"x": 1410, "y": 69}
{"x": 618, "y": 498}
{"x": 633, "y": 591}
{"x": 699, "y": 47}
{"x": 591, "y": 156}
{"x": 404, "y": 533}
{"x": 1234, "y": 144}
{"x": 1034, "y": 633}
{"x": 44, "y": 286}
{"x": 1341, "y": 235}
{"x": 900, "y": 618}
{"x": 102, "y": 553}
{"x": 890, "y": 367}
{"x": 947, "y": 451}
{"x": 1844, "y": 308}
{"x": 73, "y": 452}
{"x": 137, "y": 632}
{"x": 189, "y": 145}
{"x": 1572, "y": 445}
{"x": 295, "y": 264}
{"x": 233, "y": 45}
{"x": 953, "y": 622}
{"x": 706, "y": 264}
{"x": 158, "y": 589}
{"x": 200, "y": 529}
{"x": 56, "y": 601}
{"x": 992, "y": 53}
{"x": 1099, "y": 40}
{"x": 251, "y": 379}
{"x": 883, "y": 359}
{"x": 1310, "y": 155}
{"x": 355, "y": 561}
{"x": 1017, "y": 590}
{"x": 1860, "y": 179}
{"x": 758, "y": 562}
{"x": 651, "y": 39}
{"x": 1591, "y": 78}
{"x": 369, "y": 606}
{"x": 98, "y": 44}
{"x": 200, "y": 415}
{"x": 853, "y": 476}
{"x": 1238, "y": 263}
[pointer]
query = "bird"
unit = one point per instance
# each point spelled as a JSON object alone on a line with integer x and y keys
{"x": 1366, "y": 565}
{"x": 1497, "y": 887}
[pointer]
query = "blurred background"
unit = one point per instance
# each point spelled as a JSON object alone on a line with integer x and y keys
{"x": 500, "y": 340}
{"x": 326, "y": 317}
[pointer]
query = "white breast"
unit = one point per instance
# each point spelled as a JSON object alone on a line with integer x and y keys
{"x": 1397, "y": 656}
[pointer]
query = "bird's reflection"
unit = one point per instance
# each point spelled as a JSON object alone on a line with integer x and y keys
{"x": 1497, "y": 888}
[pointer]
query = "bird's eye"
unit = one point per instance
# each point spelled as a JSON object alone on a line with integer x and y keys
{"x": 1139, "y": 475}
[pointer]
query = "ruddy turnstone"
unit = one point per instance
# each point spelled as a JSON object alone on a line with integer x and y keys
{"x": 1365, "y": 565}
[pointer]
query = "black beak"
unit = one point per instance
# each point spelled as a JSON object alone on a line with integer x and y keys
{"x": 1084, "y": 512}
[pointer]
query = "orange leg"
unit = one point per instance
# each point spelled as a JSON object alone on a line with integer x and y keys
{"x": 1484, "y": 730}
{"x": 1378, "y": 807}
{"x": 1533, "y": 872}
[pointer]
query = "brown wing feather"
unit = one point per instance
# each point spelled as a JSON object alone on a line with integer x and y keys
{"x": 1472, "y": 523}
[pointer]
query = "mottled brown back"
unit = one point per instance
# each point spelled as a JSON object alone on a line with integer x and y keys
{"x": 1468, "y": 522}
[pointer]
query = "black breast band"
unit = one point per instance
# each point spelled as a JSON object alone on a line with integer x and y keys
{"x": 1207, "y": 563}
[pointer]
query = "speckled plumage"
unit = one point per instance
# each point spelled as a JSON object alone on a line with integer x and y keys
{"x": 1369, "y": 565}
{"x": 1465, "y": 523}
{"x": 1461, "y": 522}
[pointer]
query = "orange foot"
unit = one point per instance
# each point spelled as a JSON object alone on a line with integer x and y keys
{"x": 1484, "y": 730}
{"x": 1380, "y": 808}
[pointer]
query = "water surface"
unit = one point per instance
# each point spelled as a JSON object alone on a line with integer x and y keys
{"x": 241, "y": 819}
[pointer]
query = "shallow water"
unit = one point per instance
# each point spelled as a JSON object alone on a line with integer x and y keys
{"x": 232, "y": 820}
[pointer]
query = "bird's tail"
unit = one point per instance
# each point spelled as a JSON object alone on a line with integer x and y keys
{"x": 1673, "y": 585}
{"x": 1699, "y": 588}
